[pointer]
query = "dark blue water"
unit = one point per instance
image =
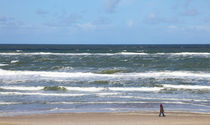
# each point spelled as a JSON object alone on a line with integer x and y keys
{"x": 104, "y": 78}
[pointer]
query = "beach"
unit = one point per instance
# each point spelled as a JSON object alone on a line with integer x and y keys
{"x": 125, "y": 118}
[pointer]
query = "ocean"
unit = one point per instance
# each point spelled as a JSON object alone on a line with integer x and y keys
{"x": 103, "y": 78}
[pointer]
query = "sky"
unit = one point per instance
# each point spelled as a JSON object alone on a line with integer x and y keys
{"x": 104, "y": 21}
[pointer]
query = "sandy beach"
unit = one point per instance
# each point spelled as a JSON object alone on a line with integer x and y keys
{"x": 137, "y": 118}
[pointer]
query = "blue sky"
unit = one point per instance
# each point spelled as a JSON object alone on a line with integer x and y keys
{"x": 105, "y": 21}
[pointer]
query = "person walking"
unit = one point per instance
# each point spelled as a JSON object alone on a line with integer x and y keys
{"x": 161, "y": 111}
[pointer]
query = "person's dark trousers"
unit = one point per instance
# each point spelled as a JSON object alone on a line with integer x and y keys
{"x": 162, "y": 114}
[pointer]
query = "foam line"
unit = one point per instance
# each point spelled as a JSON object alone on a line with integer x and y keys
{"x": 155, "y": 74}
{"x": 39, "y": 94}
{"x": 108, "y": 54}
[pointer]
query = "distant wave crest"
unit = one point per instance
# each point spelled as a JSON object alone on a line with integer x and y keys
{"x": 101, "y": 89}
{"x": 109, "y": 54}
{"x": 103, "y": 74}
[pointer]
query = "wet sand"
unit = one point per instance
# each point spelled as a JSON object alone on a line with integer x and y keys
{"x": 132, "y": 118}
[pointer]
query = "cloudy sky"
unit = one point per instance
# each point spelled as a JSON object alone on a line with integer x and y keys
{"x": 105, "y": 21}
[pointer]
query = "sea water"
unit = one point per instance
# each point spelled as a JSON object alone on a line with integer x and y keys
{"x": 104, "y": 78}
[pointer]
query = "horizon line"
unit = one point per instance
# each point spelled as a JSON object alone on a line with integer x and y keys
{"x": 100, "y": 44}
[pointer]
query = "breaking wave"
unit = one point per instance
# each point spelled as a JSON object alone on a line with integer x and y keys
{"x": 39, "y": 94}
{"x": 4, "y": 74}
{"x": 111, "y": 71}
{"x": 108, "y": 54}
{"x": 100, "y": 89}
{"x": 54, "y": 88}
{"x": 3, "y": 64}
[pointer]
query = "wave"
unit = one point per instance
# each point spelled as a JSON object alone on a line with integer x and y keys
{"x": 19, "y": 51}
{"x": 73, "y": 54}
{"x": 54, "y": 88}
{"x": 122, "y": 102}
{"x": 131, "y": 53}
{"x": 142, "y": 89}
{"x": 101, "y": 82}
{"x": 163, "y": 98}
{"x": 191, "y": 87}
{"x": 61, "y": 68}
{"x": 99, "y": 89}
{"x": 39, "y": 94}
{"x": 106, "y": 102}
{"x": 22, "y": 88}
{"x": 111, "y": 71}
{"x": 10, "y": 103}
{"x": 9, "y": 74}
{"x": 186, "y": 54}
{"x": 109, "y": 54}
{"x": 14, "y": 61}
{"x": 107, "y": 94}
{"x": 85, "y": 89}
{"x": 3, "y": 64}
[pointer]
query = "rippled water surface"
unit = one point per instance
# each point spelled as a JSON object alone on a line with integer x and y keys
{"x": 104, "y": 78}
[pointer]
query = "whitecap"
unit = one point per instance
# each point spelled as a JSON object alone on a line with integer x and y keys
{"x": 14, "y": 61}
{"x": 143, "y": 89}
{"x": 39, "y": 94}
{"x": 21, "y": 88}
{"x": 109, "y": 54}
{"x": 3, "y": 64}
{"x": 192, "y": 87}
{"x": 9, "y": 103}
{"x": 18, "y": 51}
{"x": 87, "y": 89}
{"x": 8, "y": 75}
{"x": 106, "y": 94}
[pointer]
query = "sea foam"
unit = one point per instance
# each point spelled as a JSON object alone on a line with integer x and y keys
{"x": 192, "y": 87}
{"x": 100, "y": 89}
{"x": 151, "y": 74}
{"x": 3, "y": 64}
{"x": 38, "y": 94}
{"x": 16, "y": 76}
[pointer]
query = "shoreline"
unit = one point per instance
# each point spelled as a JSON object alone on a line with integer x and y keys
{"x": 33, "y": 113}
{"x": 111, "y": 118}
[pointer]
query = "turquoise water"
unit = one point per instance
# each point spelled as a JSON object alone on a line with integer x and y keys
{"x": 104, "y": 78}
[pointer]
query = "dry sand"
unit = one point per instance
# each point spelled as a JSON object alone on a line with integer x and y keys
{"x": 137, "y": 118}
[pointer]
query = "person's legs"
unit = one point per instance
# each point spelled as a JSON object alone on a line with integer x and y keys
{"x": 163, "y": 114}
